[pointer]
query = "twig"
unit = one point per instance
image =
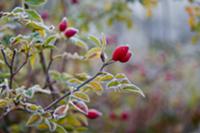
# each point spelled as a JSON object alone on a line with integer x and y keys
{"x": 22, "y": 65}
{"x": 78, "y": 87}
{"x": 11, "y": 69}
{"x": 5, "y": 58}
{"x": 46, "y": 69}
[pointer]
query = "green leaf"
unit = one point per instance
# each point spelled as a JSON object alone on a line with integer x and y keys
{"x": 79, "y": 43}
{"x": 32, "y": 107}
{"x": 49, "y": 40}
{"x": 38, "y": 26}
{"x": 61, "y": 129}
{"x": 113, "y": 83}
{"x": 33, "y": 15}
{"x": 96, "y": 86}
{"x": 60, "y": 111}
{"x": 4, "y": 75}
{"x": 120, "y": 76}
{"x": 82, "y": 118}
{"x": 35, "y": 2}
{"x": 133, "y": 88}
{"x": 82, "y": 96}
{"x": 3, "y": 103}
{"x": 32, "y": 60}
{"x": 34, "y": 120}
{"x": 80, "y": 105}
{"x": 74, "y": 81}
{"x": 29, "y": 93}
{"x": 104, "y": 42}
{"x": 82, "y": 76}
{"x": 93, "y": 53}
{"x": 106, "y": 77}
{"x": 95, "y": 40}
{"x": 52, "y": 125}
{"x": 18, "y": 10}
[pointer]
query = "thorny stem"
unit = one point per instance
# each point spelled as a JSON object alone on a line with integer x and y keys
{"x": 78, "y": 87}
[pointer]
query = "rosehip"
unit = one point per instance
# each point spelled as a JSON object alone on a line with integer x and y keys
{"x": 122, "y": 54}
{"x": 113, "y": 116}
{"x": 74, "y": 1}
{"x": 70, "y": 32}
{"x": 124, "y": 116}
{"x": 63, "y": 25}
{"x": 45, "y": 15}
{"x": 93, "y": 114}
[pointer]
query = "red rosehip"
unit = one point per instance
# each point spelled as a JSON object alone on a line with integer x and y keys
{"x": 124, "y": 116}
{"x": 45, "y": 15}
{"x": 70, "y": 32}
{"x": 113, "y": 116}
{"x": 63, "y": 25}
{"x": 74, "y": 1}
{"x": 122, "y": 54}
{"x": 93, "y": 114}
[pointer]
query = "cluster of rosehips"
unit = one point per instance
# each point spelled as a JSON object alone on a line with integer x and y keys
{"x": 124, "y": 116}
{"x": 68, "y": 31}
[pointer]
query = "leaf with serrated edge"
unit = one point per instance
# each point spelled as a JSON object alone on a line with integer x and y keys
{"x": 107, "y": 77}
{"x": 93, "y": 53}
{"x": 80, "y": 105}
{"x": 33, "y": 15}
{"x": 3, "y": 103}
{"x": 133, "y": 88}
{"x": 120, "y": 76}
{"x": 95, "y": 40}
{"x": 96, "y": 86}
{"x": 34, "y": 120}
{"x": 60, "y": 111}
{"x": 113, "y": 83}
{"x": 82, "y": 96}
{"x": 52, "y": 125}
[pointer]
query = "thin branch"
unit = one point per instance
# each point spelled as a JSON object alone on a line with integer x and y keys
{"x": 22, "y": 65}
{"x": 46, "y": 71}
{"x": 11, "y": 69}
{"x": 78, "y": 87}
{"x": 5, "y": 58}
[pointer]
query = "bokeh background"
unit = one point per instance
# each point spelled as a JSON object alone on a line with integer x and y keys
{"x": 163, "y": 35}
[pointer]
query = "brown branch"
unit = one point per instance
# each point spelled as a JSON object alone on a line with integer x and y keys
{"x": 5, "y": 58}
{"x": 78, "y": 87}
{"x": 22, "y": 65}
{"x": 11, "y": 69}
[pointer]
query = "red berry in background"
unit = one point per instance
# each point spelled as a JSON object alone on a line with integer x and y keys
{"x": 124, "y": 116}
{"x": 93, "y": 114}
{"x": 44, "y": 15}
{"x": 113, "y": 116}
{"x": 74, "y": 1}
{"x": 70, "y": 32}
{"x": 122, "y": 54}
{"x": 63, "y": 25}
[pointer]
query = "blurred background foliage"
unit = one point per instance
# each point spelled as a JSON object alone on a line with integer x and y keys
{"x": 164, "y": 36}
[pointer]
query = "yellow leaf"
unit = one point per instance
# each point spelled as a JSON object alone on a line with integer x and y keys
{"x": 96, "y": 86}
{"x": 93, "y": 53}
{"x": 3, "y": 103}
{"x": 81, "y": 96}
{"x": 34, "y": 119}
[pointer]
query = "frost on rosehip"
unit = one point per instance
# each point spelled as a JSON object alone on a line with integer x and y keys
{"x": 70, "y": 32}
{"x": 93, "y": 114}
{"x": 122, "y": 54}
{"x": 63, "y": 25}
